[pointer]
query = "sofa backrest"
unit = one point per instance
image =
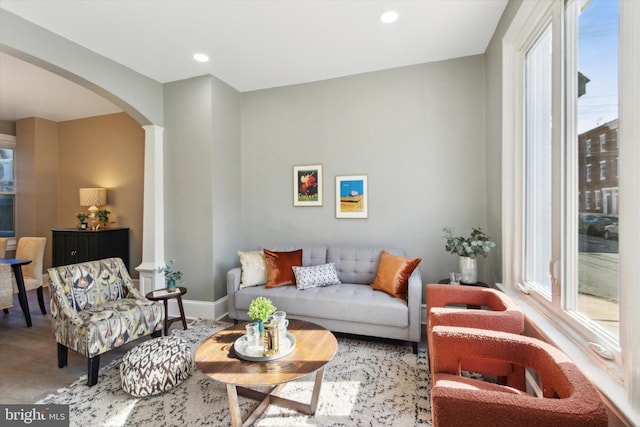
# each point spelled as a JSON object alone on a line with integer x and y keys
{"x": 91, "y": 283}
{"x": 358, "y": 264}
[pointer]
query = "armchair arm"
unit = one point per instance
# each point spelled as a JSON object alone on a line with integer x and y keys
{"x": 504, "y": 315}
{"x": 59, "y": 304}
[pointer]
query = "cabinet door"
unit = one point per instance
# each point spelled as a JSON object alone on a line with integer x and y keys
{"x": 115, "y": 243}
{"x": 65, "y": 249}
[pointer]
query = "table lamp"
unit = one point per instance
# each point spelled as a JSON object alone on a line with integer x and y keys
{"x": 93, "y": 197}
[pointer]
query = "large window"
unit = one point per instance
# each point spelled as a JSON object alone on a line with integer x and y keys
{"x": 7, "y": 187}
{"x": 570, "y": 91}
{"x": 537, "y": 162}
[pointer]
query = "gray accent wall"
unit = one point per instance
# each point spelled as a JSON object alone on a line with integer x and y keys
{"x": 202, "y": 182}
{"x": 417, "y": 132}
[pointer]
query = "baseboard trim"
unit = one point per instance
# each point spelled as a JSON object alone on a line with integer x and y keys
{"x": 194, "y": 309}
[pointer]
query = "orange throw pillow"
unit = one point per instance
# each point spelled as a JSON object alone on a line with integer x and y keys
{"x": 279, "y": 267}
{"x": 393, "y": 274}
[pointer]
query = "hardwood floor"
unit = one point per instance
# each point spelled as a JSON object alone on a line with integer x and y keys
{"x": 28, "y": 356}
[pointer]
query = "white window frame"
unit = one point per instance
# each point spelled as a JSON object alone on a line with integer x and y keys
{"x": 588, "y": 171}
{"x": 587, "y": 200}
{"x": 603, "y": 170}
{"x": 618, "y": 379}
{"x": 603, "y": 142}
{"x": 587, "y": 147}
{"x": 9, "y": 141}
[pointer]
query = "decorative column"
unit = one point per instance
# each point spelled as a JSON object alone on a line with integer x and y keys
{"x": 153, "y": 211}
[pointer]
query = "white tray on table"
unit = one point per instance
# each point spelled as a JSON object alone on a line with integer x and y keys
{"x": 255, "y": 354}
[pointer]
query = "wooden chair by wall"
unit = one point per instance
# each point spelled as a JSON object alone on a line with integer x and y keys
{"x": 3, "y": 246}
{"x": 32, "y": 248}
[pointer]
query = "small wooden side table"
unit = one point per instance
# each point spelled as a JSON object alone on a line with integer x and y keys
{"x": 165, "y": 295}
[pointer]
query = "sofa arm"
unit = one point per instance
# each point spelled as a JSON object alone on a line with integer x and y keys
{"x": 233, "y": 285}
{"x": 414, "y": 302}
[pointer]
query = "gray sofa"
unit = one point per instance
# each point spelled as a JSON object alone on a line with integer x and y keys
{"x": 352, "y": 307}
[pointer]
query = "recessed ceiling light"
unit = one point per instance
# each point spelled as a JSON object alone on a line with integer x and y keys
{"x": 201, "y": 57}
{"x": 389, "y": 17}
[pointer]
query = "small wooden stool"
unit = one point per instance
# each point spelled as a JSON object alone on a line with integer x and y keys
{"x": 165, "y": 295}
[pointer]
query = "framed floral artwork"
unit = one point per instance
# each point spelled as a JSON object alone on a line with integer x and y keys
{"x": 352, "y": 196}
{"x": 307, "y": 185}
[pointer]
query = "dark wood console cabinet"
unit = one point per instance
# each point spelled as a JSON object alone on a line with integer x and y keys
{"x": 71, "y": 245}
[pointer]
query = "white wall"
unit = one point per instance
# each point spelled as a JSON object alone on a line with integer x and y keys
{"x": 418, "y": 132}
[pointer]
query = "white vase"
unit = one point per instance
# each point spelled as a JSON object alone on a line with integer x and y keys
{"x": 469, "y": 269}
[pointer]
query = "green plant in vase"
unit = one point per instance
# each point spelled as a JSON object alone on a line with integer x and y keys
{"x": 260, "y": 310}
{"x": 103, "y": 215}
{"x": 82, "y": 217}
{"x": 468, "y": 249}
{"x": 171, "y": 276}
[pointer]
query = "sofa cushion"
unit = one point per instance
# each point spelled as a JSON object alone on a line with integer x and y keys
{"x": 254, "y": 268}
{"x": 279, "y": 267}
{"x": 344, "y": 302}
{"x": 316, "y": 275}
{"x": 393, "y": 274}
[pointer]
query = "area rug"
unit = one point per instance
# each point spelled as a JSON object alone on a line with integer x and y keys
{"x": 368, "y": 383}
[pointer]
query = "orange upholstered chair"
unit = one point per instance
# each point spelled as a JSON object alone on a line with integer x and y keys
{"x": 568, "y": 398}
{"x": 496, "y": 312}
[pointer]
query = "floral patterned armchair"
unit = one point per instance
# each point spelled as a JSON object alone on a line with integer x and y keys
{"x": 96, "y": 308}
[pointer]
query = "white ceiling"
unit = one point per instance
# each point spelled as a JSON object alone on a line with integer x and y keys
{"x": 253, "y": 44}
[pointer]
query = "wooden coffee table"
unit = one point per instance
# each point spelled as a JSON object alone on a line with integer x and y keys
{"x": 216, "y": 357}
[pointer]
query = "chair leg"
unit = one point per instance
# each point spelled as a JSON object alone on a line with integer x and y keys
{"x": 93, "y": 366}
{"x": 6, "y": 310}
{"x": 41, "y": 300}
{"x": 63, "y": 352}
{"x": 415, "y": 347}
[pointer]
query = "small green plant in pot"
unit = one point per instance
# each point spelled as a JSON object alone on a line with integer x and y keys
{"x": 171, "y": 276}
{"x": 260, "y": 310}
{"x": 82, "y": 217}
{"x": 468, "y": 249}
{"x": 103, "y": 215}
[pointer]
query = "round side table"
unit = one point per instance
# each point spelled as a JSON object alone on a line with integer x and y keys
{"x": 165, "y": 295}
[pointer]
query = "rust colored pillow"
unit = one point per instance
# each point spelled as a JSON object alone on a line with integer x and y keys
{"x": 393, "y": 274}
{"x": 279, "y": 267}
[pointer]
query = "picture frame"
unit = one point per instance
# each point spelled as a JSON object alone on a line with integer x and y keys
{"x": 307, "y": 185}
{"x": 352, "y": 196}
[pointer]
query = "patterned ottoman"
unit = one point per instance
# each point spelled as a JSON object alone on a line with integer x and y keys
{"x": 155, "y": 366}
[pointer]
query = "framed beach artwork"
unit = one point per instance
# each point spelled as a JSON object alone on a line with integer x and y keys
{"x": 307, "y": 185}
{"x": 352, "y": 196}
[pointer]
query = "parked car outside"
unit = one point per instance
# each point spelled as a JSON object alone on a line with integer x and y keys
{"x": 611, "y": 231}
{"x": 594, "y": 224}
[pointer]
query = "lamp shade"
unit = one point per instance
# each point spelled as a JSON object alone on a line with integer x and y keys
{"x": 93, "y": 196}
